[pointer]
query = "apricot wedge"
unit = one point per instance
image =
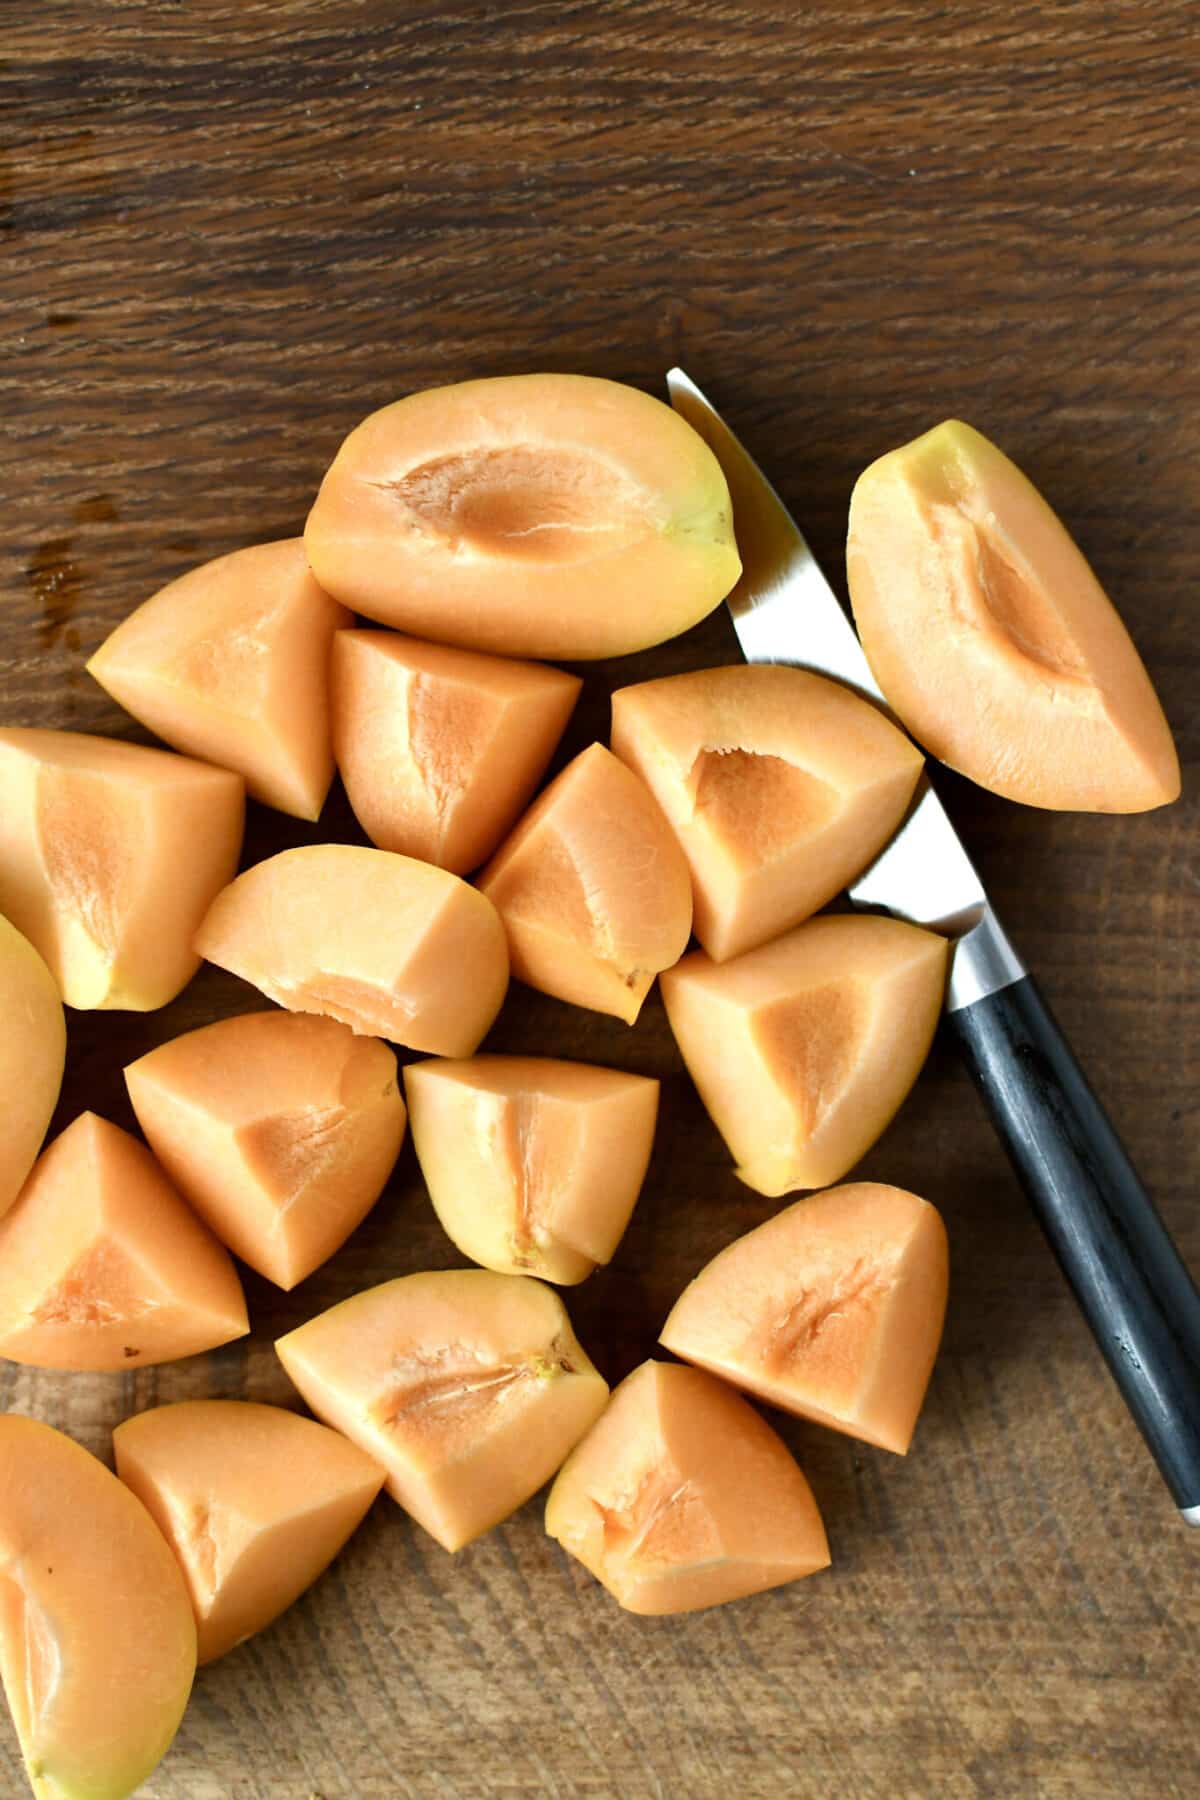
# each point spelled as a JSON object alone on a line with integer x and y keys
{"x": 533, "y": 1165}
{"x": 682, "y": 1497}
{"x": 468, "y": 1387}
{"x": 804, "y": 1049}
{"x": 991, "y": 637}
{"x": 97, "y": 1640}
{"x": 530, "y": 515}
{"x": 780, "y": 786}
{"x": 440, "y": 748}
{"x": 230, "y": 663}
{"x": 833, "y": 1309}
{"x": 279, "y": 1128}
{"x": 33, "y": 1048}
{"x": 109, "y": 857}
{"x": 392, "y": 947}
{"x": 102, "y": 1266}
{"x": 254, "y": 1501}
{"x": 593, "y": 889}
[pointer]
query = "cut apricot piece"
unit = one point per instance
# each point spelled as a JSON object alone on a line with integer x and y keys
{"x": 991, "y": 637}
{"x": 392, "y": 947}
{"x": 97, "y": 1639}
{"x": 109, "y": 856}
{"x": 468, "y": 1387}
{"x": 532, "y": 515}
{"x": 440, "y": 748}
{"x": 254, "y": 1501}
{"x": 33, "y": 1048}
{"x": 533, "y": 1165}
{"x": 833, "y": 1309}
{"x": 682, "y": 1497}
{"x": 102, "y": 1266}
{"x": 780, "y": 786}
{"x": 279, "y": 1128}
{"x": 593, "y": 889}
{"x": 804, "y": 1049}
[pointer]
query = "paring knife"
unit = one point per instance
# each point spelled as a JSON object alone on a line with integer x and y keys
{"x": 1114, "y": 1250}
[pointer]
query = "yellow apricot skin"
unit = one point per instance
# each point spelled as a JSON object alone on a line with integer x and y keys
{"x": 33, "y": 1048}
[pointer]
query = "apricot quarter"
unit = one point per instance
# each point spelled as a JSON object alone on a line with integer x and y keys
{"x": 780, "y": 786}
{"x": 833, "y": 1309}
{"x": 439, "y": 748}
{"x": 33, "y": 1047}
{"x": 991, "y": 637}
{"x": 682, "y": 1497}
{"x": 804, "y": 1049}
{"x": 279, "y": 1128}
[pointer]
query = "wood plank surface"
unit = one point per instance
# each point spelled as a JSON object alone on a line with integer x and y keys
{"x": 227, "y": 232}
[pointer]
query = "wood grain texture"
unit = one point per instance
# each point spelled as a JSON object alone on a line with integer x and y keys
{"x": 230, "y": 231}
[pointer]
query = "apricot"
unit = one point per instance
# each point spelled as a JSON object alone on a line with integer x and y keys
{"x": 279, "y": 1128}
{"x": 468, "y": 1387}
{"x": 833, "y": 1309}
{"x": 991, "y": 637}
{"x": 109, "y": 856}
{"x": 532, "y": 515}
{"x": 230, "y": 663}
{"x": 33, "y": 1048}
{"x": 97, "y": 1640}
{"x": 804, "y": 1049}
{"x": 681, "y": 1497}
{"x": 392, "y": 947}
{"x": 254, "y": 1501}
{"x": 102, "y": 1266}
{"x": 593, "y": 889}
{"x": 780, "y": 786}
{"x": 533, "y": 1165}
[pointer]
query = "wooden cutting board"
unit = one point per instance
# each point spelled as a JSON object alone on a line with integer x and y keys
{"x": 230, "y": 231}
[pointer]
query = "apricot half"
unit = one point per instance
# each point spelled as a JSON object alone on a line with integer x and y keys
{"x": 468, "y": 1387}
{"x": 682, "y": 1497}
{"x": 102, "y": 1266}
{"x": 533, "y": 1165}
{"x": 780, "y": 786}
{"x": 833, "y": 1309}
{"x": 254, "y": 1501}
{"x": 533, "y": 515}
{"x": 279, "y": 1128}
{"x": 593, "y": 889}
{"x": 804, "y": 1049}
{"x": 392, "y": 947}
{"x": 992, "y": 638}
{"x": 97, "y": 1640}
{"x": 230, "y": 663}
{"x": 33, "y": 1048}
{"x": 109, "y": 856}
{"x": 439, "y": 748}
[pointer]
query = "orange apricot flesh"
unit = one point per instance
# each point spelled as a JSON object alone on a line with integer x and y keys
{"x": 109, "y": 857}
{"x": 529, "y": 515}
{"x": 439, "y": 748}
{"x": 991, "y": 637}
{"x": 103, "y": 1266}
{"x": 682, "y": 1497}
{"x": 392, "y": 947}
{"x": 33, "y": 1047}
{"x": 780, "y": 786}
{"x": 469, "y": 1388}
{"x": 97, "y": 1639}
{"x": 230, "y": 663}
{"x": 593, "y": 888}
{"x": 833, "y": 1309}
{"x": 533, "y": 1165}
{"x": 254, "y": 1501}
{"x": 804, "y": 1049}
{"x": 279, "y": 1128}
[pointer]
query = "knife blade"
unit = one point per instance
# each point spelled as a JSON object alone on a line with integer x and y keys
{"x": 1110, "y": 1242}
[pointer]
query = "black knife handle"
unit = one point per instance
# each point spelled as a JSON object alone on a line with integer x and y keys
{"x": 1113, "y": 1248}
